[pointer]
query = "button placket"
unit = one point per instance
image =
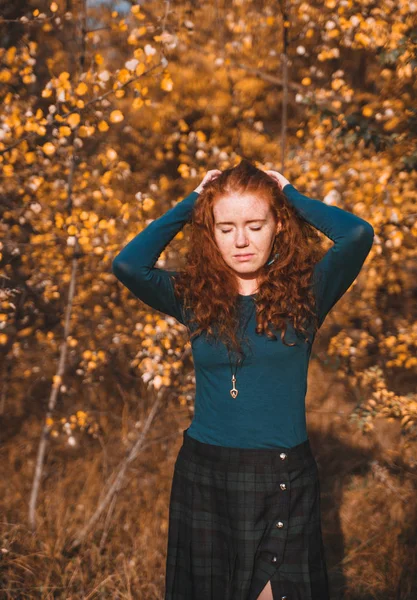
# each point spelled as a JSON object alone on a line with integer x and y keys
{"x": 284, "y": 512}
{"x": 276, "y": 541}
{"x": 283, "y": 487}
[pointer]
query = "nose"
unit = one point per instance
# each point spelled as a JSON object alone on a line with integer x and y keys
{"x": 241, "y": 239}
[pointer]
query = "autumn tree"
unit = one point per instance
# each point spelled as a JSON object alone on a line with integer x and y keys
{"x": 107, "y": 116}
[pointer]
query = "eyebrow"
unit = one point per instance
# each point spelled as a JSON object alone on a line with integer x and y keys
{"x": 249, "y": 221}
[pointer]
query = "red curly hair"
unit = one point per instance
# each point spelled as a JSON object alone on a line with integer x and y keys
{"x": 209, "y": 287}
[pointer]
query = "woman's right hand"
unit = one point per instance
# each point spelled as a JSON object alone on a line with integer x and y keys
{"x": 212, "y": 174}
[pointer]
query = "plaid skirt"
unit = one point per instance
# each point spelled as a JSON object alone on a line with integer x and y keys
{"x": 240, "y": 517}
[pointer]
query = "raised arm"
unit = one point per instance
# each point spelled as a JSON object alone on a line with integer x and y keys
{"x": 339, "y": 267}
{"x": 134, "y": 265}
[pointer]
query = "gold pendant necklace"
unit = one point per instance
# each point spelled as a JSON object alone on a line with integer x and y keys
{"x": 234, "y": 391}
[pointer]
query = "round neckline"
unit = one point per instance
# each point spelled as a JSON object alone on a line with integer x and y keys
{"x": 247, "y": 295}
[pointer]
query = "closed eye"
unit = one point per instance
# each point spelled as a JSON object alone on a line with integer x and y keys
{"x": 252, "y": 228}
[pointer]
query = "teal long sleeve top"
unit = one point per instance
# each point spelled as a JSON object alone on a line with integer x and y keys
{"x": 269, "y": 410}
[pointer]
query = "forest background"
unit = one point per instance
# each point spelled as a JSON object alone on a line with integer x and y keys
{"x": 111, "y": 113}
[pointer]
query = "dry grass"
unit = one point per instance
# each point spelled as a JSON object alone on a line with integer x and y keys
{"x": 369, "y": 507}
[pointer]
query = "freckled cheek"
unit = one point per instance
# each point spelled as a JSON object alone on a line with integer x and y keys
{"x": 226, "y": 250}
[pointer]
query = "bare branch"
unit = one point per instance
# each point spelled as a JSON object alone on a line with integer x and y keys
{"x": 114, "y": 484}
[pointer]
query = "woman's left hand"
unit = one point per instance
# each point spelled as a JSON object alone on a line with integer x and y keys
{"x": 280, "y": 179}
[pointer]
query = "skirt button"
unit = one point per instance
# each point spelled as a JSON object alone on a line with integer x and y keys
{"x": 282, "y": 455}
{"x": 280, "y": 524}
{"x": 283, "y": 486}
{"x": 274, "y": 559}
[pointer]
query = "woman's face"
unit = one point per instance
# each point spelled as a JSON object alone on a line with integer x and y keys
{"x": 244, "y": 225}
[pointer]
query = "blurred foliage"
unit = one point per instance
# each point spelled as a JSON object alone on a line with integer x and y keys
{"x": 108, "y": 119}
{"x": 93, "y": 150}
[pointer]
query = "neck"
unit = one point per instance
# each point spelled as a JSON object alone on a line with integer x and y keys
{"x": 246, "y": 288}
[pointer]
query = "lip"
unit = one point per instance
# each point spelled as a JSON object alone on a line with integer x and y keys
{"x": 242, "y": 257}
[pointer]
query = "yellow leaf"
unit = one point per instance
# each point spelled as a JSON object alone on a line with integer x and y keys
{"x": 367, "y": 111}
{"x": 64, "y": 131}
{"x": 85, "y": 131}
{"x": 53, "y": 7}
{"x": 73, "y": 120}
{"x": 391, "y": 124}
{"x": 5, "y": 76}
{"x": 148, "y": 204}
{"x": 361, "y": 38}
{"x": 137, "y": 103}
{"x": 81, "y": 89}
{"x": 116, "y": 116}
{"x": 123, "y": 75}
{"x": 162, "y": 324}
{"x": 167, "y": 84}
{"x": 48, "y": 148}
{"x": 337, "y": 84}
{"x": 103, "y": 126}
{"x": 111, "y": 154}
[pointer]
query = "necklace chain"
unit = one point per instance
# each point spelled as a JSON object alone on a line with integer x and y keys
{"x": 234, "y": 391}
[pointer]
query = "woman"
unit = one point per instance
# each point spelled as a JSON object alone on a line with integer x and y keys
{"x": 244, "y": 515}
